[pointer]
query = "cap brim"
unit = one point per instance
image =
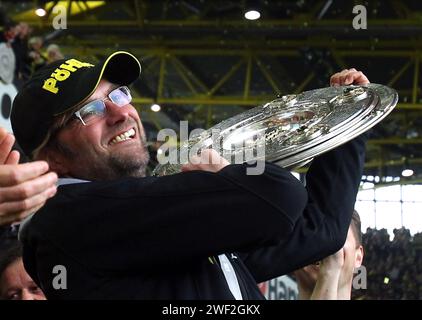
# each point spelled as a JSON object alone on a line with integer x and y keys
{"x": 121, "y": 68}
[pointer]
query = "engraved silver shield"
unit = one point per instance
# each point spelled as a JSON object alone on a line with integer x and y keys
{"x": 293, "y": 129}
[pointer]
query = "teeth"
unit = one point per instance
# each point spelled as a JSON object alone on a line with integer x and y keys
{"x": 123, "y": 136}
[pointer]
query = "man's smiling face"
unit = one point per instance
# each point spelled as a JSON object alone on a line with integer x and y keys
{"x": 109, "y": 147}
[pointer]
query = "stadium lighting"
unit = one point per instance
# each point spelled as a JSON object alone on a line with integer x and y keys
{"x": 407, "y": 172}
{"x": 40, "y": 12}
{"x": 252, "y": 15}
{"x": 155, "y": 107}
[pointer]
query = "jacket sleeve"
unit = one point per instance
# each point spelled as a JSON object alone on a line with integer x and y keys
{"x": 332, "y": 184}
{"x": 152, "y": 223}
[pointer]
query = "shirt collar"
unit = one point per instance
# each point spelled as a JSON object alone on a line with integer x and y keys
{"x": 64, "y": 181}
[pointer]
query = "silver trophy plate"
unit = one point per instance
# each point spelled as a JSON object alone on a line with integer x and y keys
{"x": 293, "y": 129}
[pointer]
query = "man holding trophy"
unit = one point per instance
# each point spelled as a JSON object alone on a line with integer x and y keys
{"x": 210, "y": 232}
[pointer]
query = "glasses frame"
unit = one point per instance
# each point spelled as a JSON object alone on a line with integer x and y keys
{"x": 77, "y": 114}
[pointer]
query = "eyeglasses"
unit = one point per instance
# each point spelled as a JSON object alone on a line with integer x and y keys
{"x": 95, "y": 109}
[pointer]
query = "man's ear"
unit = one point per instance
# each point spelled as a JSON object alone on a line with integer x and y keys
{"x": 56, "y": 161}
{"x": 359, "y": 257}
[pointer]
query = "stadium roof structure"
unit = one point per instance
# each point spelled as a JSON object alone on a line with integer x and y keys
{"x": 204, "y": 62}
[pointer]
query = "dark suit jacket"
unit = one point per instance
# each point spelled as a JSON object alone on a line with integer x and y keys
{"x": 152, "y": 238}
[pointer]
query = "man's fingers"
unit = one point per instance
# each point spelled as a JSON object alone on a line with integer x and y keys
{"x": 211, "y": 156}
{"x": 14, "y": 174}
{"x": 193, "y": 164}
{"x": 208, "y": 160}
{"x": 343, "y": 79}
{"x": 13, "y": 157}
{"x": 336, "y": 79}
{"x": 347, "y": 77}
{"x": 356, "y": 77}
{"x": 29, "y": 188}
{"x": 361, "y": 78}
{"x": 5, "y": 147}
{"x": 18, "y": 210}
{"x": 18, "y": 217}
{"x": 333, "y": 78}
{"x": 187, "y": 167}
{"x": 3, "y": 134}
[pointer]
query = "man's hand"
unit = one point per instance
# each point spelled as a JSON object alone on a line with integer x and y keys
{"x": 333, "y": 263}
{"x": 24, "y": 188}
{"x": 306, "y": 279}
{"x": 326, "y": 287}
{"x": 6, "y": 143}
{"x": 310, "y": 274}
{"x": 209, "y": 160}
{"x": 348, "y": 76}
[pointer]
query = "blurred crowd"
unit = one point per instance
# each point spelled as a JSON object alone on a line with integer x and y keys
{"x": 31, "y": 52}
{"x": 394, "y": 268}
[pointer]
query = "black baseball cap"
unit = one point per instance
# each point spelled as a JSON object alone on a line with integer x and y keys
{"x": 59, "y": 87}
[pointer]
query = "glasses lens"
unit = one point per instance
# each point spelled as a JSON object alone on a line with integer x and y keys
{"x": 120, "y": 96}
{"x": 92, "y": 110}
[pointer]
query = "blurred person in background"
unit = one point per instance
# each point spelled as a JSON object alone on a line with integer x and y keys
{"x": 9, "y": 32}
{"x": 54, "y": 53}
{"x": 21, "y": 50}
{"x": 15, "y": 283}
{"x": 332, "y": 277}
{"x": 37, "y": 57}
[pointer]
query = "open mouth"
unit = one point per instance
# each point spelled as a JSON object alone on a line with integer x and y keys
{"x": 127, "y": 135}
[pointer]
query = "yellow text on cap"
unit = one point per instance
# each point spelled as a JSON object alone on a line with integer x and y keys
{"x": 62, "y": 73}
